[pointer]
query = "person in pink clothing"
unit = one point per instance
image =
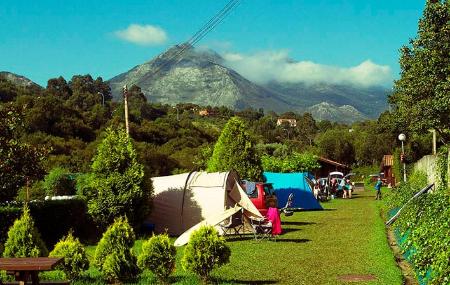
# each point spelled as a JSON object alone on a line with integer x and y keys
{"x": 273, "y": 215}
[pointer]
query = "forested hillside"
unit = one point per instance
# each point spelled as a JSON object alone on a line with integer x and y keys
{"x": 62, "y": 124}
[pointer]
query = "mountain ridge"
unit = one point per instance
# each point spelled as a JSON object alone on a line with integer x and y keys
{"x": 202, "y": 77}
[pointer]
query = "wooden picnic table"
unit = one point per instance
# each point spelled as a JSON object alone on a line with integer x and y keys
{"x": 28, "y": 267}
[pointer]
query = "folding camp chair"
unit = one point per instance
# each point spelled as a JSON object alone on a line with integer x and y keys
{"x": 286, "y": 209}
{"x": 234, "y": 225}
{"x": 262, "y": 228}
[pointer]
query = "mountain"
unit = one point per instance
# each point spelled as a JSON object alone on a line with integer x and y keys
{"x": 201, "y": 77}
{"x": 370, "y": 101}
{"x": 343, "y": 114}
{"x": 198, "y": 77}
{"x": 18, "y": 80}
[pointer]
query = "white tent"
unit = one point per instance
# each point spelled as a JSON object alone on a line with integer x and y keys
{"x": 181, "y": 201}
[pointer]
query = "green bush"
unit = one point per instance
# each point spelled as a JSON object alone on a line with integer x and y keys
{"x": 23, "y": 238}
{"x": 59, "y": 182}
{"x": 425, "y": 225}
{"x": 75, "y": 259}
{"x": 114, "y": 254}
{"x": 159, "y": 255}
{"x": 8, "y": 214}
{"x": 205, "y": 251}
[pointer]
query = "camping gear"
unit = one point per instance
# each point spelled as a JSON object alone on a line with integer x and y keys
{"x": 184, "y": 200}
{"x": 234, "y": 225}
{"x": 286, "y": 183}
{"x": 210, "y": 221}
{"x": 262, "y": 228}
{"x": 286, "y": 209}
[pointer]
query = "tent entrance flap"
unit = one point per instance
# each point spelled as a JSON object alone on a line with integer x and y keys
{"x": 210, "y": 221}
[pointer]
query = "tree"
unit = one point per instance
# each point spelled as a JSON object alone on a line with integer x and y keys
{"x": 19, "y": 162}
{"x": 115, "y": 186}
{"x": 23, "y": 238}
{"x": 58, "y": 87}
{"x": 422, "y": 94}
{"x": 337, "y": 144}
{"x": 235, "y": 149}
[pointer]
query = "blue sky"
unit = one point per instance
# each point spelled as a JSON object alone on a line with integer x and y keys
{"x": 349, "y": 39}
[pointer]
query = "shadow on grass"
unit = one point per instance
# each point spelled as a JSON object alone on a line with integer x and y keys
{"x": 298, "y": 223}
{"x": 237, "y": 281}
{"x": 295, "y": 240}
{"x": 290, "y": 230}
{"x": 326, "y": 210}
{"x": 238, "y": 238}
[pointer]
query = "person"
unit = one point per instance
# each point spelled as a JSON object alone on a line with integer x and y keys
{"x": 273, "y": 215}
{"x": 350, "y": 189}
{"x": 346, "y": 189}
{"x": 316, "y": 190}
{"x": 378, "y": 189}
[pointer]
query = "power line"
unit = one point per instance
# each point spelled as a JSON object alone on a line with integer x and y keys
{"x": 200, "y": 34}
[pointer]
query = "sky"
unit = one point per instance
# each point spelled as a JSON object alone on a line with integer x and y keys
{"x": 350, "y": 41}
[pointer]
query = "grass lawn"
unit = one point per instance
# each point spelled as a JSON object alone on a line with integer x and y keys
{"x": 316, "y": 248}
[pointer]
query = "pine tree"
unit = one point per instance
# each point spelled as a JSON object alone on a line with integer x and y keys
{"x": 116, "y": 185}
{"x": 235, "y": 149}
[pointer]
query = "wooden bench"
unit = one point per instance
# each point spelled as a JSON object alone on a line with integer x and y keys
{"x": 28, "y": 268}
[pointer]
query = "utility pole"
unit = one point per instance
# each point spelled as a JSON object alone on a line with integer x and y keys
{"x": 402, "y": 138}
{"x": 125, "y": 102}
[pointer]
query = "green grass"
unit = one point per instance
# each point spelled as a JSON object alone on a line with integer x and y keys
{"x": 316, "y": 248}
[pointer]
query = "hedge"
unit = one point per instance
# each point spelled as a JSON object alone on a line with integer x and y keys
{"x": 54, "y": 219}
{"x": 423, "y": 228}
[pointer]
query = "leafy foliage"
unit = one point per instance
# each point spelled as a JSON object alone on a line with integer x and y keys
{"x": 19, "y": 162}
{"x": 114, "y": 255}
{"x": 442, "y": 168}
{"x": 205, "y": 251}
{"x": 421, "y": 95}
{"x": 235, "y": 149}
{"x": 75, "y": 259}
{"x": 159, "y": 255}
{"x": 23, "y": 238}
{"x": 296, "y": 162}
{"x": 59, "y": 182}
{"x": 425, "y": 227}
{"x": 115, "y": 186}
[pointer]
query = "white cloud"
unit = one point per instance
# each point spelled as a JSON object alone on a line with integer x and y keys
{"x": 142, "y": 34}
{"x": 276, "y": 65}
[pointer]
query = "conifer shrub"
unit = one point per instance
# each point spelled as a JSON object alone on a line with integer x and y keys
{"x": 205, "y": 251}
{"x": 74, "y": 254}
{"x": 159, "y": 255}
{"x": 24, "y": 239}
{"x": 236, "y": 149}
{"x": 114, "y": 254}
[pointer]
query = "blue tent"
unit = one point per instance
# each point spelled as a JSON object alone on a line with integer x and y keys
{"x": 286, "y": 183}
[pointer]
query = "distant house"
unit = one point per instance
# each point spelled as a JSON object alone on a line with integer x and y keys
{"x": 291, "y": 122}
{"x": 204, "y": 113}
{"x": 328, "y": 165}
{"x": 386, "y": 168}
